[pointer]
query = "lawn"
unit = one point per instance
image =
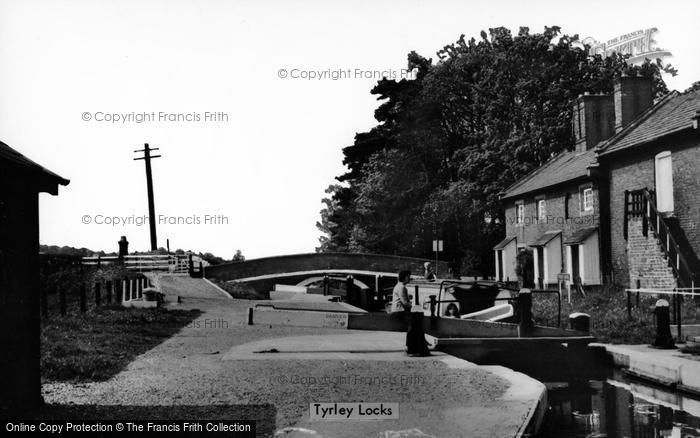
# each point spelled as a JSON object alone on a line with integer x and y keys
{"x": 98, "y": 344}
{"x": 609, "y": 318}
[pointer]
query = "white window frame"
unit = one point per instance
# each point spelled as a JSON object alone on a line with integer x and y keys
{"x": 587, "y": 201}
{"x": 541, "y": 209}
{"x": 520, "y": 213}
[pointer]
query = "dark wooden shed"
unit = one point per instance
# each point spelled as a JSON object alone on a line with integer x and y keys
{"x": 21, "y": 181}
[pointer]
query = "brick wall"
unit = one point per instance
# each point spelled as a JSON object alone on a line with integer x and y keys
{"x": 636, "y": 171}
{"x": 646, "y": 259}
{"x": 555, "y": 220}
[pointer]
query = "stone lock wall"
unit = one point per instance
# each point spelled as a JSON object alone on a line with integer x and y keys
{"x": 646, "y": 259}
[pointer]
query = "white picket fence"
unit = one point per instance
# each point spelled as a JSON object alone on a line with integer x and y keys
{"x": 177, "y": 264}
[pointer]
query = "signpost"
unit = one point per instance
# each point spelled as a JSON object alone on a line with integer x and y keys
{"x": 437, "y": 248}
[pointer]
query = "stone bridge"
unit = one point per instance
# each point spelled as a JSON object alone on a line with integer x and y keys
{"x": 312, "y": 262}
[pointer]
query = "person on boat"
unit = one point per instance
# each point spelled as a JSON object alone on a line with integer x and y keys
{"x": 428, "y": 272}
{"x": 401, "y": 309}
{"x": 452, "y": 311}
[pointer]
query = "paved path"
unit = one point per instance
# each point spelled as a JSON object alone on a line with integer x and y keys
{"x": 218, "y": 359}
{"x": 668, "y": 367}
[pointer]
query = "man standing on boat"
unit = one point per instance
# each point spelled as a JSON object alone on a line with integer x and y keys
{"x": 401, "y": 309}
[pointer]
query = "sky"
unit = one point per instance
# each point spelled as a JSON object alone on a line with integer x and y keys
{"x": 240, "y": 99}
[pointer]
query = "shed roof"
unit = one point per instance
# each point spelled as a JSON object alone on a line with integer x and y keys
{"x": 544, "y": 238}
{"x": 49, "y": 181}
{"x": 580, "y": 235}
{"x": 503, "y": 243}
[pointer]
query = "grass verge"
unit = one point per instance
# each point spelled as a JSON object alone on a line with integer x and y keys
{"x": 98, "y": 344}
{"x": 609, "y": 318}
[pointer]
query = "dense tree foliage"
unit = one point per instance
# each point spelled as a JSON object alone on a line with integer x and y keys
{"x": 449, "y": 141}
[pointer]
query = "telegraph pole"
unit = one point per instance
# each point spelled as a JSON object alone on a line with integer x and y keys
{"x": 149, "y": 184}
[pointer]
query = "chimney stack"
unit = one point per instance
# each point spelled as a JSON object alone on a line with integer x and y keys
{"x": 633, "y": 95}
{"x": 593, "y": 120}
{"x": 123, "y": 247}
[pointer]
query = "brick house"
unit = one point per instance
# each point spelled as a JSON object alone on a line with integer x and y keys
{"x": 586, "y": 212}
{"x": 651, "y": 167}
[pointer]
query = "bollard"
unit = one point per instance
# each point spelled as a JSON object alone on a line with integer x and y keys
{"x": 62, "y": 301}
{"x": 250, "y": 315}
{"x": 416, "y": 300}
{"x": 525, "y": 307}
{"x": 350, "y": 291}
{"x": 580, "y": 322}
{"x": 98, "y": 293}
{"x": 663, "y": 326}
{"x": 179, "y": 299}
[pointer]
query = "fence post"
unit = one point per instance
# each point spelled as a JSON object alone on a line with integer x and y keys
{"x": 127, "y": 289}
{"x": 62, "y": 301}
{"x": 679, "y": 323}
{"x": 83, "y": 298}
{"x": 108, "y": 289}
{"x": 629, "y": 304}
{"x": 98, "y": 293}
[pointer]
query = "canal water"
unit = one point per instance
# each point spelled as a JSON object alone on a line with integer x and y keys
{"x": 619, "y": 407}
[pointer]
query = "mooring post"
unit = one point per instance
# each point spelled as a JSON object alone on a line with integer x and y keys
{"x": 350, "y": 290}
{"x": 525, "y": 304}
{"x": 663, "y": 326}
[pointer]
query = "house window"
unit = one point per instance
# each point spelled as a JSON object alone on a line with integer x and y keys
{"x": 519, "y": 213}
{"x": 541, "y": 209}
{"x": 586, "y": 199}
{"x": 664, "y": 182}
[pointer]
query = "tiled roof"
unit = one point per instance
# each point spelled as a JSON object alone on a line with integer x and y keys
{"x": 673, "y": 113}
{"x": 564, "y": 167}
{"x": 11, "y": 155}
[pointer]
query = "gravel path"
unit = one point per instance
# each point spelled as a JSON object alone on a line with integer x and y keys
{"x": 189, "y": 369}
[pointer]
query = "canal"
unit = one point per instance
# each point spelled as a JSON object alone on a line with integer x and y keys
{"x": 619, "y": 407}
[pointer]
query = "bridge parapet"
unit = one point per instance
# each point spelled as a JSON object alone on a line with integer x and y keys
{"x": 318, "y": 261}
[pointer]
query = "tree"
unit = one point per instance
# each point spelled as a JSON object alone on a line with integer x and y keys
{"x": 238, "y": 257}
{"x": 447, "y": 143}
